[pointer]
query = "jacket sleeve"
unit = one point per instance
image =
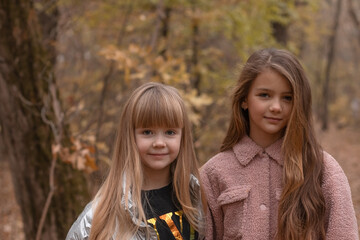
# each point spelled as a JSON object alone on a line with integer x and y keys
{"x": 340, "y": 214}
{"x": 214, "y": 224}
{"x": 80, "y": 230}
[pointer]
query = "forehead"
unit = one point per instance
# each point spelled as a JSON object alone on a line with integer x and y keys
{"x": 271, "y": 80}
{"x": 158, "y": 111}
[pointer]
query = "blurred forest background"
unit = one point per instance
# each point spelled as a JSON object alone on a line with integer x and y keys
{"x": 67, "y": 67}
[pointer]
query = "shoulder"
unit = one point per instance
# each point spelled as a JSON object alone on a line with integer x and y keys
{"x": 214, "y": 170}
{"x": 332, "y": 170}
{"x": 81, "y": 227}
{"x": 340, "y": 214}
{"x": 216, "y": 162}
{"x": 334, "y": 180}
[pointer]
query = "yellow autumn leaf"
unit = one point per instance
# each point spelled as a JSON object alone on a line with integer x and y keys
{"x": 105, "y": 159}
{"x": 198, "y": 101}
{"x": 101, "y": 146}
{"x": 55, "y": 149}
{"x": 90, "y": 164}
{"x": 80, "y": 162}
{"x": 194, "y": 118}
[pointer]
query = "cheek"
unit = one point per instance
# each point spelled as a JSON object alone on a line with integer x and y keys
{"x": 256, "y": 112}
{"x": 141, "y": 145}
{"x": 176, "y": 146}
{"x": 256, "y": 107}
{"x": 289, "y": 110}
{"x": 138, "y": 143}
{"x": 288, "y": 115}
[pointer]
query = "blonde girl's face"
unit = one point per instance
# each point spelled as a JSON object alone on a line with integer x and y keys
{"x": 269, "y": 104}
{"x": 158, "y": 148}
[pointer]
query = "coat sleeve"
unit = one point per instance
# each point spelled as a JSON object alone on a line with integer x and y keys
{"x": 340, "y": 214}
{"x": 80, "y": 230}
{"x": 214, "y": 225}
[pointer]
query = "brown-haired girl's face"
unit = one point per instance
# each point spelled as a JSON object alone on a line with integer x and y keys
{"x": 269, "y": 103}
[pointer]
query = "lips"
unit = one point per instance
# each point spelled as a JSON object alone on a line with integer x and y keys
{"x": 273, "y": 119}
{"x": 158, "y": 154}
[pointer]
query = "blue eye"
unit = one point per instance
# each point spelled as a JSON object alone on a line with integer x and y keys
{"x": 170, "y": 132}
{"x": 288, "y": 98}
{"x": 147, "y": 132}
{"x": 264, "y": 95}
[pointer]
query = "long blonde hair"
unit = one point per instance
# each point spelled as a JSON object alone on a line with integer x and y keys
{"x": 150, "y": 105}
{"x": 302, "y": 206}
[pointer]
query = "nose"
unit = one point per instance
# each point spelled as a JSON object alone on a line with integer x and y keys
{"x": 159, "y": 142}
{"x": 275, "y": 106}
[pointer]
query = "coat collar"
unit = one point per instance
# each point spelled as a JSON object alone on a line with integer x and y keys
{"x": 246, "y": 149}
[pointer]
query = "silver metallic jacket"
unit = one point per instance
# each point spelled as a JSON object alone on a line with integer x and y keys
{"x": 80, "y": 230}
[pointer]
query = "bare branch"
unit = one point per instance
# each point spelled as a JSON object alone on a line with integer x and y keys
{"x": 49, "y": 197}
{"x": 59, "y": 115}
{"x": 57, "y": 130}
{"x": 21, "y": 97}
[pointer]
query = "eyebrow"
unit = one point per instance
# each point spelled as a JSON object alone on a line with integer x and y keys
{"x": 269, "y": 90}
{"x": 262, "y": 89}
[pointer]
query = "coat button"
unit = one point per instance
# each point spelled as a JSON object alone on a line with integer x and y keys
{"x": 263, "y": 207}
{"x": 263, "y": 155}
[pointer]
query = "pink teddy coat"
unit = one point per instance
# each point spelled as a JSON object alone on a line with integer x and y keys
{"x": 243, "y": 187}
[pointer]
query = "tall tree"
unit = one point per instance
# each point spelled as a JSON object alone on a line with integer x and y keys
{"x": 50, "y": 192}
{"x": 195, "y": 22}
{"x": 330, "y": 60}
{"x": 354, "y": 16}
{"x": 280, "y": 25}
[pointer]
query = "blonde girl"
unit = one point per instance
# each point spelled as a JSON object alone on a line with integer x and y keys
{"x": 152, "y": 190}
{"x": 271, "y": 179}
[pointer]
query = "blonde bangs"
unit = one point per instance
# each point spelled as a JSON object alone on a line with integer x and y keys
{"x": 166, "y": 112}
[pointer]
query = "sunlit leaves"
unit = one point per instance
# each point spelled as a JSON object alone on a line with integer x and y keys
{"x": 129, "y": 42}
{"x": 79, "y": 155}
{"x": 195, "y": 103}
{"x": 136, "y": 63}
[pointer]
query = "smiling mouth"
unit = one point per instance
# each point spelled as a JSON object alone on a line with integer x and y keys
{"x": 273, "y": 119}
{"x": 157, "y": 154}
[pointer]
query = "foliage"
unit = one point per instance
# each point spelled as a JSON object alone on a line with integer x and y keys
{"x": 107, "y": 48}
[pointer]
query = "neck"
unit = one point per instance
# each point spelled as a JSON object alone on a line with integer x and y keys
{"x": 264, "y": 140}
{"x": 156, "y": 180}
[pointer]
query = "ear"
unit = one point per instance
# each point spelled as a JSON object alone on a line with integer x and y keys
{"x": 244, "y": 105}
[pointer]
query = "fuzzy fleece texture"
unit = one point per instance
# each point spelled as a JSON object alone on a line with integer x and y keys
{"x": 243, "y": 187}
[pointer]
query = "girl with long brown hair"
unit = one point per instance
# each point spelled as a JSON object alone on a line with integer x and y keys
{"x": 152, "y": 190}
{"x": 271, "y": 179}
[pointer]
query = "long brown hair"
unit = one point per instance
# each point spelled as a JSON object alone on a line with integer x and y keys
{"x": 301, "y": 213}
{"x": 150, "y": 105}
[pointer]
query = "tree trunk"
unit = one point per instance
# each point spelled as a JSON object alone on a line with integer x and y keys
{"x": 27, "y": 58}
{"x": 280, "y": 32}
{"x": 330, "y": 60}
{"x": 195, "y": 75}
{"x": 354, "y": 16}
{"x": 279, "y": 29}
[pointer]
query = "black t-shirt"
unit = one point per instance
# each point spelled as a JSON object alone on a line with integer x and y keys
{"x": 165, "y": 217}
